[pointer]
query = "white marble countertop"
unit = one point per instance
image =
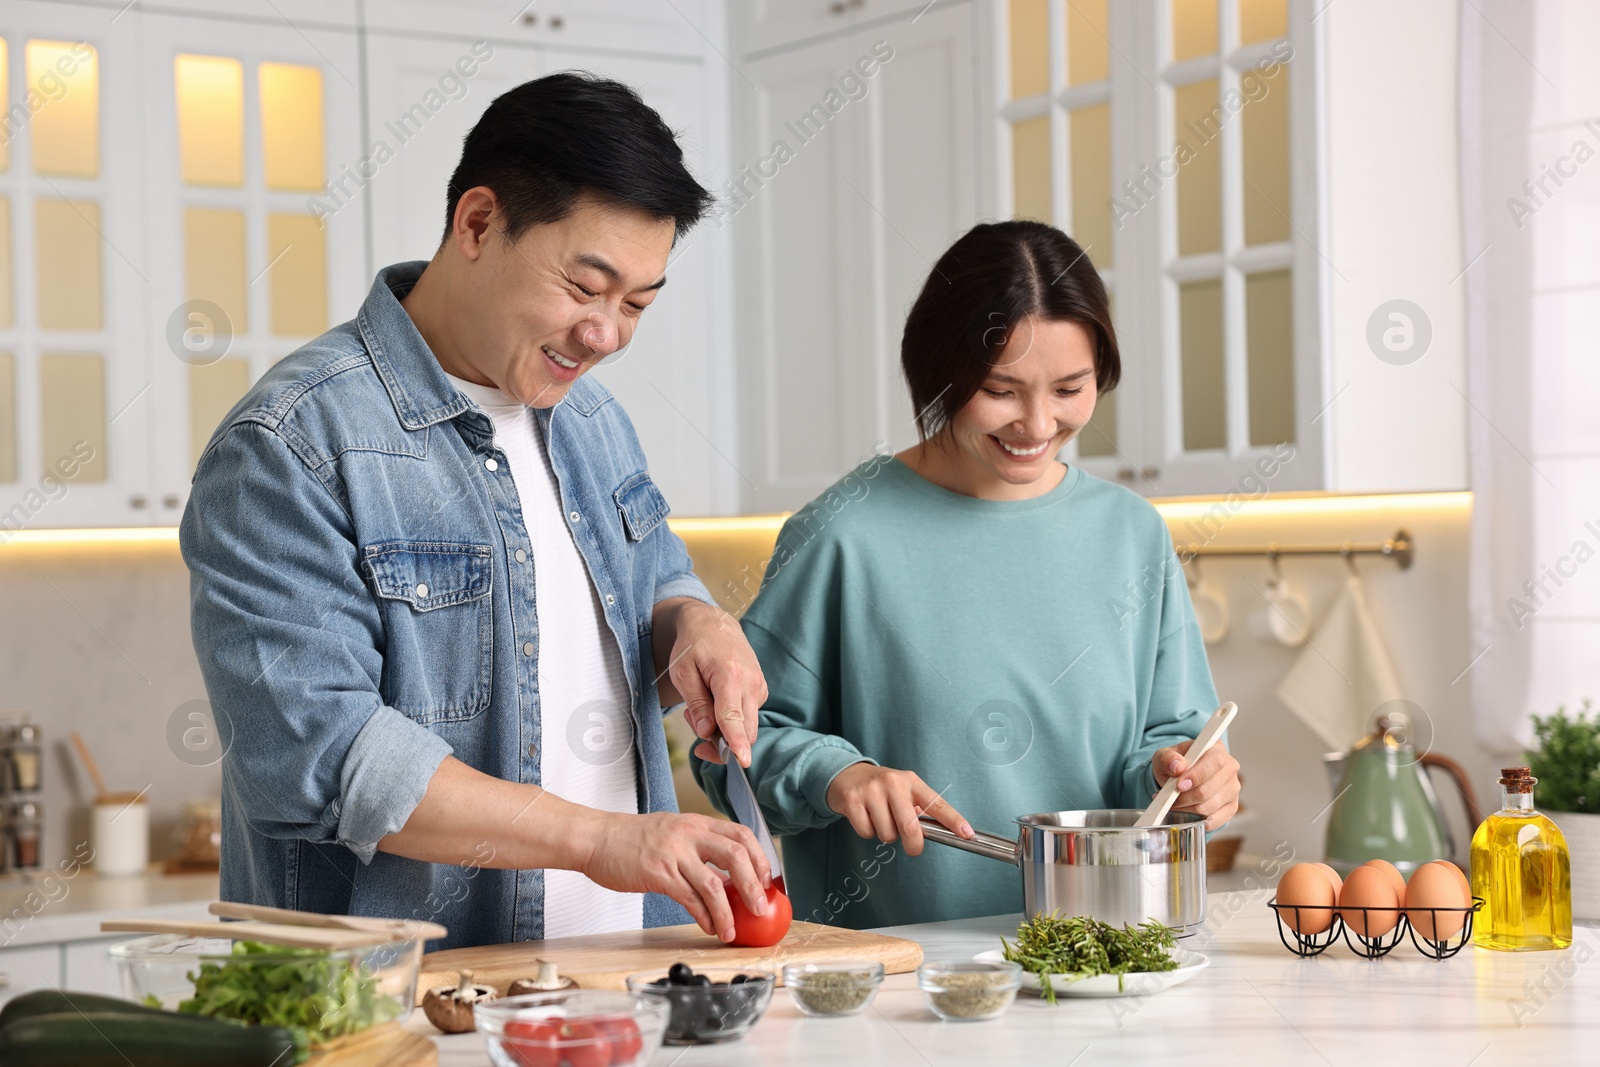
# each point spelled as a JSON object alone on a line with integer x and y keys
{"x": 50, "y": 906}
{"x": 1256, "y": 1004}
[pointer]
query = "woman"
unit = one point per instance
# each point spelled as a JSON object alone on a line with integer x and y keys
{"x": 970, "y": 625}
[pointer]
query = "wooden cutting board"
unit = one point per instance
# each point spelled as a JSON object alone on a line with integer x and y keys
{"x": 393, "y": 1047}
{"x": 604, "y": 961}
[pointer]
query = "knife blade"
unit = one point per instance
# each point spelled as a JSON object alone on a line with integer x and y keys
{"x": 742, "y": 799}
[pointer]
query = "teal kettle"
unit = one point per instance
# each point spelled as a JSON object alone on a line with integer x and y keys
{"x": 1384, "y": 804}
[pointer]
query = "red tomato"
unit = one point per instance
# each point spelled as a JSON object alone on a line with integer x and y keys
{"x": 626, "y": 1043}
{"x": 759, "y": 931}
{"x": 532, "y": 1042}
{"x": 535, "y": 1043}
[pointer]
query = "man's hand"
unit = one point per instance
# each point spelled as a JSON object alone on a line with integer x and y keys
{"x": 713, "y": 669}
{"x": 885, "y": 803}
{"x": 1209, "y": 788}
{"x": 668, "y": 853}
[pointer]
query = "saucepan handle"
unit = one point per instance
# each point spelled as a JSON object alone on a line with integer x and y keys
{"x": 992, "y": 845}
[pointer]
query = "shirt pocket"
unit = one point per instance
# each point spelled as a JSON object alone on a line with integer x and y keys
{"x": 439, "y": 626}
{"x": 641, "y": 504}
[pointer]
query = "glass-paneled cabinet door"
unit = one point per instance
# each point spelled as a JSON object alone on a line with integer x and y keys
{"x": 1060, "y": 87}
{"x": 1232, "y": 140}
{"x": 74, "y": 383}
{"x": 257, "y": 175}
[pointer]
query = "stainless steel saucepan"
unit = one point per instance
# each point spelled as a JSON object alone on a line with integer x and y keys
{"x": 1099, "y": 863}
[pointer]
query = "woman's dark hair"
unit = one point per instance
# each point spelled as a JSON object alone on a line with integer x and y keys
{"x": 993, "y": 277}
{"x": 545, "y": 143}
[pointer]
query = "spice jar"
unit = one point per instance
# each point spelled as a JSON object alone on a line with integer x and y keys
{"x": 23, "y": 830}
{"x": 21, "y": 754}
{"x": 969, "y": 989}
{"x": 198, "y": 836}
{"x": 833, "y": 987}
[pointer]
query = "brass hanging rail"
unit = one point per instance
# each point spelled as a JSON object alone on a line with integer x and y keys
{"x": 1399, "y": 548}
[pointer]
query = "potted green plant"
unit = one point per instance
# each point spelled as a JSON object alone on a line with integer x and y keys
{"x": 1567, "y": 764}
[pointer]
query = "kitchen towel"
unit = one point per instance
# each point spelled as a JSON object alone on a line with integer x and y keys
{"x": 1343, "y": 674}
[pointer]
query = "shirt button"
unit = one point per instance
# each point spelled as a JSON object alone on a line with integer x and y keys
{"x": 533, "y": 751}
{"x": 522, "y": 557}
{"x": 422, "y": 592}
{"x": 610, "y": 599}
{"x": 490, "y": 464}
{"x": 527, "y": 649}
{"x": 575, "y": 517}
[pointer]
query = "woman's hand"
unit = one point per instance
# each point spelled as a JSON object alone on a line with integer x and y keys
{"x": 669, "y": 853}
{"x": 885, "y": 803}
{"x": 1209, "y": 788}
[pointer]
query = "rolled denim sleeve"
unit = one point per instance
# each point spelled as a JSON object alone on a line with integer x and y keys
{"x": 290, "y": 644}
{"x": 675, "y": 574}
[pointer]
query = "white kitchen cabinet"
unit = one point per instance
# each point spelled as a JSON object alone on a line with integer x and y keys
{"x": 848, "y": 187}
{"x": 75, "y": 398}
{"x": 1246, "y": 278}
{"x": 675, "y": 377}
{"x": 28, "y": 968}
{"x": 760, "y": 26}
{"x": 256, "y": 231}
{"x": 657, "y": 27}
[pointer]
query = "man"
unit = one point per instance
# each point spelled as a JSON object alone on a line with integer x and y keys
{"x": 432, "y": 585}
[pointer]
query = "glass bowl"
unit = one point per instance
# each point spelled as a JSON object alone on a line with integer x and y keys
{"x": 596, "y": 1026}
{"x": 355, "y": 987}
{"x": 720, "y": 1009}
{"x": 833, "y": 987}
{"x": 969, "y": 990}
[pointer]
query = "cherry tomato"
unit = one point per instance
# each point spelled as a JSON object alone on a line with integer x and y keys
{"x": 759, "y": 931}
{"x": 623, "y": 1034}
{"x": 536, "y": 1043}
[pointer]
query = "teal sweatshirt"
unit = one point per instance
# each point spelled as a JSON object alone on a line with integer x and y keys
{"x": 1021, "y": 656}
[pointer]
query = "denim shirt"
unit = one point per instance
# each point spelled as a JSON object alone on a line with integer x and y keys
{"x": 362, "y": 586}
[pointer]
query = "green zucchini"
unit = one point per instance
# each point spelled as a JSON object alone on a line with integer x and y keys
{"x": 121, "y": 1039}
{"x": 57, "y": 1001}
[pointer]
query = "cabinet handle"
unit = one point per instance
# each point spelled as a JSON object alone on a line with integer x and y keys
{"x": 138, "y": 502}
{"x": 530, "y": 19}
{"x": 171, "y": 500}
{"x": 1150, "y": 472}
{"x": 839, "y": 7}
{"x": 556, "y": 22}
{"x": 1126, "y": 474}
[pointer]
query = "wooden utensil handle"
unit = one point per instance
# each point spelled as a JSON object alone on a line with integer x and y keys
{"x": 399, "y": 928}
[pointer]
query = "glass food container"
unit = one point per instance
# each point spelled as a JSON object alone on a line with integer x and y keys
{"x": 587, "y": 1026}
{"x": 331, "y": 993}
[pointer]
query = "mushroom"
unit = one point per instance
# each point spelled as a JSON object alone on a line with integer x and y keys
{"x": 450, "y": 1007}
{"x": 547, "y": 980}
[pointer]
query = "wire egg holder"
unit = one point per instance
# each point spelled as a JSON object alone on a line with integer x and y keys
{"x": 1378, "y": 946}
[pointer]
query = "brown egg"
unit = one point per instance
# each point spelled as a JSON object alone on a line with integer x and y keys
{"x": 1333, "y": 876}
{"x": 1369, "y": 888}
{"x": 1460, "y": 875}
{"x": 1435, "y": 886}
{"x": 1306, "y": 888}
{"x": 1391, "y": 872}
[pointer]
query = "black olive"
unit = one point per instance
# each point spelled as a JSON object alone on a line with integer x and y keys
{"x": 740, "y": 979}
{"x": 659, "y": 983}
{"x": 698, "y": 980}
{"x": 679, "y": 974}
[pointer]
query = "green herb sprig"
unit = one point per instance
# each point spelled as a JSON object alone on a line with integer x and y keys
{"x": 1082, "y": 947}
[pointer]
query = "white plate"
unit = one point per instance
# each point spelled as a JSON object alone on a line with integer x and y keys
{"x": 1136, "y": 984}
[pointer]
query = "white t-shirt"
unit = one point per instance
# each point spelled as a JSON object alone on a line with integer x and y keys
{"x": 589, "y": 761}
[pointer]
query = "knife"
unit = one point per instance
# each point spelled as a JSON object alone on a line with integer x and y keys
{"x": 742, "y": 799}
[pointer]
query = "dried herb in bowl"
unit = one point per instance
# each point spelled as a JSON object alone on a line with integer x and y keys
{"x": 1082, "y": 947}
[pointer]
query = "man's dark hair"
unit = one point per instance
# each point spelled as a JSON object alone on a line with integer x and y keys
{"x": 993, "y": 277}
{"x": 549, "y": 141}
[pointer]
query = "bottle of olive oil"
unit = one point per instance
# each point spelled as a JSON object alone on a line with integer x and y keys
{"x": 1521, "y": 871}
